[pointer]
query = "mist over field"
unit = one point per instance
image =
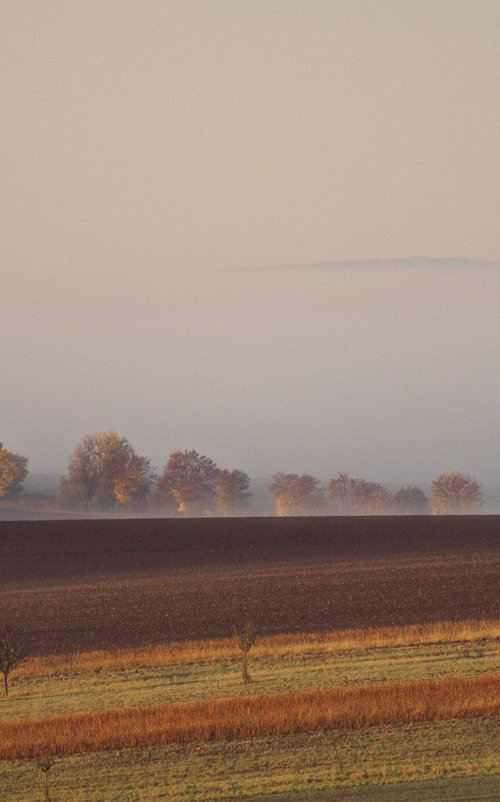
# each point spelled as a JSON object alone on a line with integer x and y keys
{"x": 177, "y": 176}
{"x": 383, "y": 368}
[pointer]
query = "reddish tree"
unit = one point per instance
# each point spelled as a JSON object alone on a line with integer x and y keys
{"x": 134, "y": 482}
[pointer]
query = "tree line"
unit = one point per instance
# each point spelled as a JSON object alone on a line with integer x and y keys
{"x": 104, "y": 472}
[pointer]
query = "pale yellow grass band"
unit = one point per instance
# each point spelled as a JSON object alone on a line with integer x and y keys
{"x": 270, "y": 645}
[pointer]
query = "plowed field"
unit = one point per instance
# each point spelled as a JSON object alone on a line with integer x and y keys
{"x": 73, "y": 585}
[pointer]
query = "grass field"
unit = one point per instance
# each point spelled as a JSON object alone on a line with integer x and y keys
{"x": 303, "y": 767}
{"x": 396, "y": 704}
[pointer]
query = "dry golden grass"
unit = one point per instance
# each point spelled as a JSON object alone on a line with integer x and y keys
{"x": 272, "y": 646}
{"x": 243, "y": 717}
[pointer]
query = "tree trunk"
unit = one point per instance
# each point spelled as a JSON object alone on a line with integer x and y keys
{"x": 6, "y": 682}
{"x": 244, "y": 668}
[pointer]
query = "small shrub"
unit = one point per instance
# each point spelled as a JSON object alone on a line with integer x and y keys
{"x": 45, "y": 764}
{"x": 13, "y": 651}
{"x": 245, "y": 639}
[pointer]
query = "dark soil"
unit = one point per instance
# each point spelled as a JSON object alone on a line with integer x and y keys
{"x": 78, "y": 585}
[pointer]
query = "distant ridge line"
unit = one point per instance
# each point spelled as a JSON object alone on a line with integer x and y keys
{"x": 444, "y": 261}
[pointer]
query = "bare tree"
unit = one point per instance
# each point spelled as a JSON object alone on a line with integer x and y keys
{"x": 245, "y": 639}
{"x": 13, "y": 650}
{"x": 455, "y": 494}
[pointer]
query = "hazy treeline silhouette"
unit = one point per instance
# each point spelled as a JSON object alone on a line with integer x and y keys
{"x": 104, "y": 472}
{"x": 345, "y": 495}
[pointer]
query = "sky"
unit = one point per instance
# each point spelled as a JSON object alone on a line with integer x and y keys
{"x": 210, "y": 217}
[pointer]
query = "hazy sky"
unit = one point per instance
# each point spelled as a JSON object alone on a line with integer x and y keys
{"x": 148, "y": 147}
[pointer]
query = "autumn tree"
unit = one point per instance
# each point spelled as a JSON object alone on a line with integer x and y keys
{"x": 13, "y": 472}
{"x": 232, "y": 492}
{"x": 409, "y": 500}
{"x": 189, "y": 483}
{"x": 105, "y": 471}
{"x": 295, "y": 494}
{"x": 350, "y": 496}
{"x": 455, "y": 494}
